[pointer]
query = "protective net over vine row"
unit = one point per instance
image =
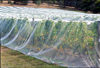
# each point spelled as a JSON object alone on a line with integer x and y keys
{"x": 66, "y": 38}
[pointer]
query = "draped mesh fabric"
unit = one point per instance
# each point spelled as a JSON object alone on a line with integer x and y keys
{"x": 56, "y": 36}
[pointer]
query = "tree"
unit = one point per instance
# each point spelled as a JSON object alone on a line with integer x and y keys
{"x": 1, "y": 1}
{"x": 24, "y": 2}
{"x": 9, "y": 1}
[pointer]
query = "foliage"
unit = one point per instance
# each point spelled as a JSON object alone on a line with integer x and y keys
{"x": 63, "y": 37}
{"x": 24, "y": 2}
{"x": 86, "y": 5}
{"x": 77, "y": 36}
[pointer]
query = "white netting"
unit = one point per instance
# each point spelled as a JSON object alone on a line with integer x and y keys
{"x": 62, "y": 37}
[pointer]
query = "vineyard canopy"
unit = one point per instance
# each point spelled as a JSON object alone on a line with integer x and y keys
{"x": 62, "y": 37}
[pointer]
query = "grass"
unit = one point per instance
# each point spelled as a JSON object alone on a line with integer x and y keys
{"x": 14, "y": 59}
